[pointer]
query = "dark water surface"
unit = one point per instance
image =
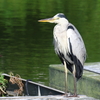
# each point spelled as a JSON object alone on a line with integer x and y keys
{"x": 26, "y": 46}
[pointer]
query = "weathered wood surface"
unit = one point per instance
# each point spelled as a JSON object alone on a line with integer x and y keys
{"x": 81, "y": 97}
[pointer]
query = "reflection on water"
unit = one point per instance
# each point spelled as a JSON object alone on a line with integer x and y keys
{"x": 26, "y": 46}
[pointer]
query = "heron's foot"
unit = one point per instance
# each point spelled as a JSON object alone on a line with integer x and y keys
{"x": 70, "y": 95}
{"x": 67, "y": 95}
{"x": 74, "y": 95}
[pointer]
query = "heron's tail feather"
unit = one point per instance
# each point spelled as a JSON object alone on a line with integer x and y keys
{"x": 78, "y": 67}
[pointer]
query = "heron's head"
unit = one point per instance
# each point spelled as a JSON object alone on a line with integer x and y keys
{"x": 58, "y": 18}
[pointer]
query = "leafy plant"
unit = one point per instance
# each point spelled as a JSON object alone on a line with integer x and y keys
{"x": 3, "y": 85}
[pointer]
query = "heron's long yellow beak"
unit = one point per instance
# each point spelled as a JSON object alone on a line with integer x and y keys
{"x": 47, "y": 20}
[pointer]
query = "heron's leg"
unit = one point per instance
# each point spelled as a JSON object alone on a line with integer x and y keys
{"x": 65, "y": 77}
{"x": 75, "y": 83}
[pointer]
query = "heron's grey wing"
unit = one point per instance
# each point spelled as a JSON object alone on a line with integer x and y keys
{"x": 78, "y": 47}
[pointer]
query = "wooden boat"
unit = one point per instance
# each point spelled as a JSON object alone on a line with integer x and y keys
{"x": 32, "y": 88}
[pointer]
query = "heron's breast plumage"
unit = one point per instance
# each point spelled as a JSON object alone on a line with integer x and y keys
{"x": 60, "y": 39}
{"x": 60, "y": 42}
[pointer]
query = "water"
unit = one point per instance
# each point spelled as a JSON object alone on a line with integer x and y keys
{"x": 26, "y": 46}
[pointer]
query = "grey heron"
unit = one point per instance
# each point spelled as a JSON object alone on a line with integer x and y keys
{"x": 69, "y": 47}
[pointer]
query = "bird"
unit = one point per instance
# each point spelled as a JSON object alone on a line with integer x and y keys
{"x": 69, "y": 46}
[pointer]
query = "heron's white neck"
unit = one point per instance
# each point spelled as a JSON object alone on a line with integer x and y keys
{"x": 63, "y": 23}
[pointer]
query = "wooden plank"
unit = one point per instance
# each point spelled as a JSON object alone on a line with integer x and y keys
{"x": 80, "y": 97}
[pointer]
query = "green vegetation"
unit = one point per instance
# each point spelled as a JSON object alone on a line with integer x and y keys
{"x": 3, "y": 85}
